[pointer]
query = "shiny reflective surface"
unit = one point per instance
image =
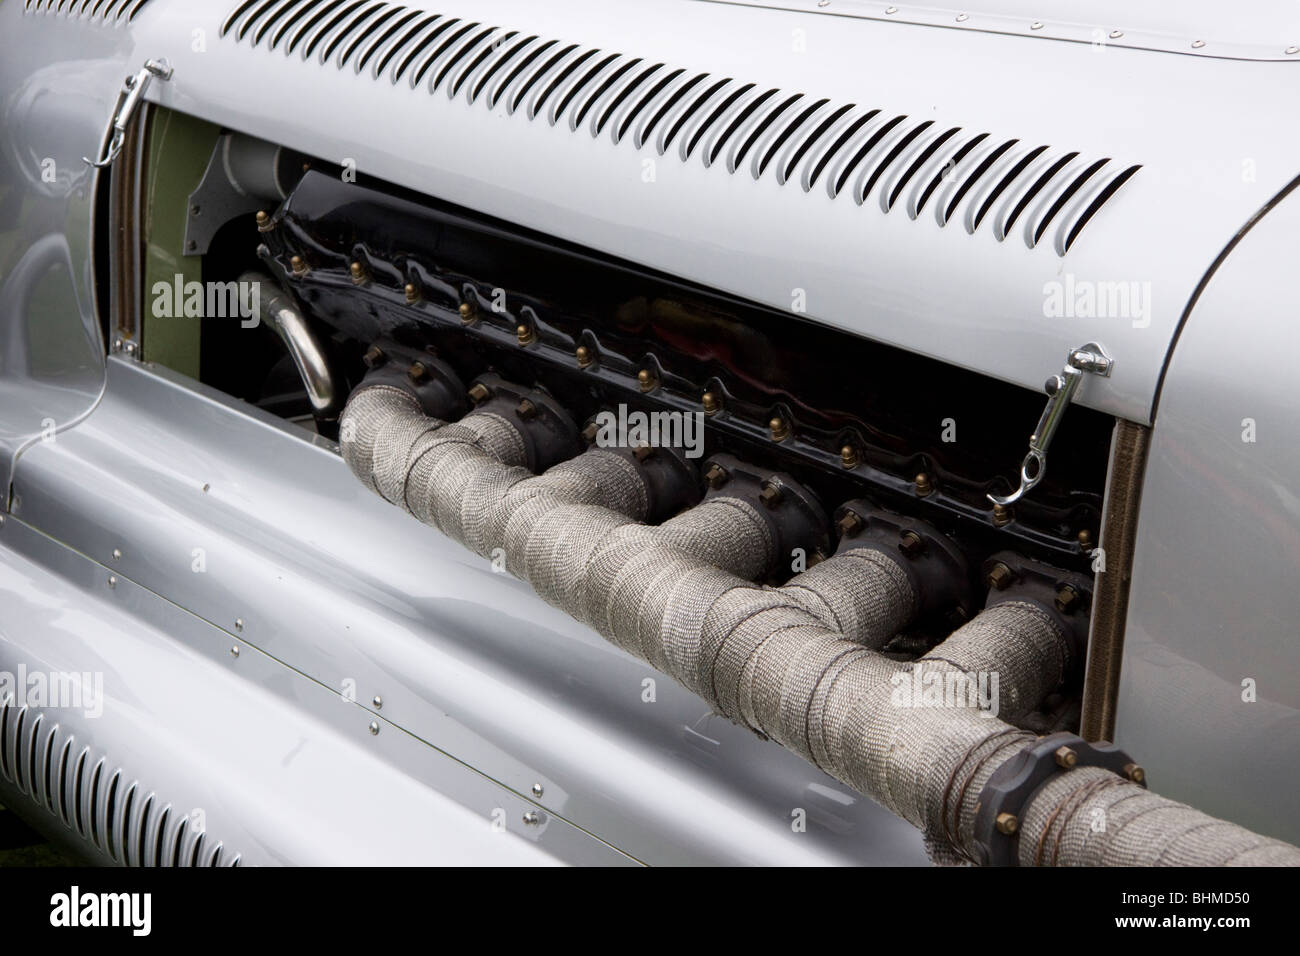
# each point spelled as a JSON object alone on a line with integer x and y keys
{"x": 1209, "y": 691}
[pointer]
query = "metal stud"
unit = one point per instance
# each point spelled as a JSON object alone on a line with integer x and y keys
{"x": 923, "y": 486}
{"x": 374, "y": 728}
{"x": 524, "y": 333}
{"x": 532, "y": 818}
{"x": 239, "y": 623}
{"x": 412, "y": 293}
{"x": 779, "y": 428}
{"x": 538, "y": 790}
{"x": 848, "y": 457}
{"x": 583, "y": 356}
{"x": 378, "y": 702}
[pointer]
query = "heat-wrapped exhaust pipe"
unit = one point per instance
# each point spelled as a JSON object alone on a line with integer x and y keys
{"x": 799, "y": 663}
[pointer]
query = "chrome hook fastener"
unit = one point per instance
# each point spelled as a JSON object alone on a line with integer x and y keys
{"x": 128, "y": 101}
{"x": 1060, "y": 389}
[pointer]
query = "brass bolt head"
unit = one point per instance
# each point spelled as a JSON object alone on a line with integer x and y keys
{"x": 412, "y": 292}
{"x": 1067, "y": 599}
{"x": 923, "y": 486}
{"x": 374, "y": 357}
{"x": 770, "y": 494}
{"x": 466, "y": 311}
{"x": 479, "y": 393}
{"x": 526, "y": 410}
{"x": 646, "y": 379}
{"x": 583, "y": 355}
{"x": 418, "y": 372}
{"x": 1007, "y": 823}
{"x": 849, "y": 456}
{"x": 1085, "y": 539}
{"x": 298, "y": 265}
{"x": 850, "y": 524}
{"x": 710, "y": 403}
{"x": 524, "y": 332}
{"x": 642, "y": 452}
{"x": 716, "y": 476}
{"x": 911, "y": 544}
{"x": 1002, "y": 515}
{"x": 1000, "y": 577}
{"x": 358, "y": 271}
{"x": 779, "y": 428}
{"x": 263, "y": 219}
{"x": 1066, "y": 758}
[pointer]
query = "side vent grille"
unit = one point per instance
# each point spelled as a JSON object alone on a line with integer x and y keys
{"x": 1043, "y": 194}
{"x": 99, "y": 802}
{"x": 97, "y": 11}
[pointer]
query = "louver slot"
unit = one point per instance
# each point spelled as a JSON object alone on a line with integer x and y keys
{"x": 100, "y": 803}
{"x": 867, "y": 151}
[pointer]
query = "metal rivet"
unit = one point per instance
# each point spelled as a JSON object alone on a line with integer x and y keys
{"x": 538, "y": 790}
{"x": 239, "y": 623}
{"x": 1116, "y": 34}
{"x": 922, "y": 485}
{"x": 532, "y": 818}
{"x": 374, "y": 727}
{"x": 117, "y": 554}
{"x": 1197, "y": 44}
{"x": 1065, "y": 757}
{"x": 779, "y": 428}
{"x": 112, "y": 581}
{"x": 1292, "y": 50}
{"x": 891, "y": 10}
{"x": 1007, "y": 823}
{"x": 234, "y": 651}
{"x": 1036, "y": 25}
{"x": 206, "y": 487}
{"x": 378, "y": 702}
{"x": 962, "y": 18}
{"x": 823, "y": 3}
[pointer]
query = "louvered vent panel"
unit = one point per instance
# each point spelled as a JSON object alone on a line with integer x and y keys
{"x": 98, "y": 801}
{"x": 1038, "y": 192}
{"x": 108, "y": 12}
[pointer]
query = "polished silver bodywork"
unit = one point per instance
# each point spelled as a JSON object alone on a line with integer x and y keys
{"x": 118, "y": 469}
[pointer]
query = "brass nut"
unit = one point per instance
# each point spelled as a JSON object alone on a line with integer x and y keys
{"x": 1067, "y": 599}
{"x": 590, "y": 432}
{"x": 1085, "y": 539}
{"x": 646, "y": 379}
{"x": 524, "y": 333}
{"x": 357, "y": 271}
{"x": 1000, "y": 577}
{"x": 418, "y": 372}
{"x": 412, "y": 292}
{"x": 1135, "y": 773}
{"x": 263, "y": 221}
{"x": 716, "y": 476}
{"x": 526, "y": 410}
{"x": 642, "y": 452}
{"x": 710, "y": 403}
{"x": 779, "y": 428}
{"x": 374, "y": 357}
{"x": 849, "y": 457}
{"x": 850, "y": 524}
{"x": 923, "y": 486}
{"x": 583, "y": 355}
{"x": 770, "y": 494}
{"x": 479, "y": 393}
{"x": 299, "y": 266}
{"x": 1007, "y": 823}
{"x": 1002, "y": 515}
{"x": 1065, "y": 757}
{"x": 911, "y": 544}
{"x": 467, "y": 311}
